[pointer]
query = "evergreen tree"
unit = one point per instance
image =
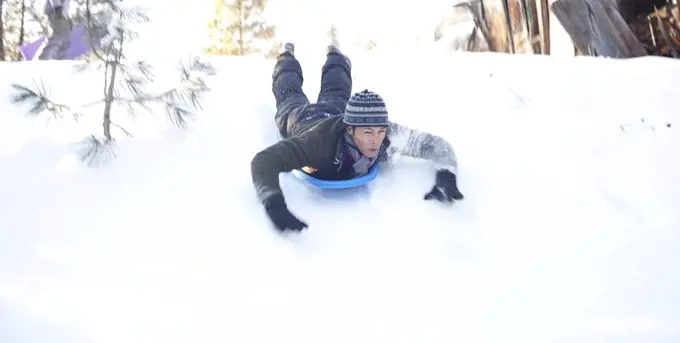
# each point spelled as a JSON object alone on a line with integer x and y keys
{"x": 238, "y": 29}
{"x": 124, "y": 82}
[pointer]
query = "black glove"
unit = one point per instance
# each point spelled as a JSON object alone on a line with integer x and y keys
{"x": 282, "y": 218}
{"x": 445, "y": 188}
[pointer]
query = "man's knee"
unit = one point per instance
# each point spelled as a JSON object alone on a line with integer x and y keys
{"x": 287, "y": 64}
{"x": 336, "y": 82}
{"x": 334, "y": 60}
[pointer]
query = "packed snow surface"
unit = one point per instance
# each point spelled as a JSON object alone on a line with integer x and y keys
{"x": 569, "y": 231}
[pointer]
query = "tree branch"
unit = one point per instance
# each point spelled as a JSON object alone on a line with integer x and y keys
{"x": 40, "y": 101}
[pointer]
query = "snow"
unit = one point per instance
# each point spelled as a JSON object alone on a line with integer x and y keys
{"x": 569, "y": 231}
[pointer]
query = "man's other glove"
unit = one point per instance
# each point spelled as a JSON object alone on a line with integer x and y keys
{"x": 445, "y": 188}
{"x": 278, "y": 212}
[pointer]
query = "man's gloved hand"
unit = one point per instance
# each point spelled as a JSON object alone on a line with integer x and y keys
{"x": 445, "y": 188}
{"x": 282, "y": 218}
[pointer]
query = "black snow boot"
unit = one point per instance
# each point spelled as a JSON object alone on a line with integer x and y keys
{"x": 288, "y": 49}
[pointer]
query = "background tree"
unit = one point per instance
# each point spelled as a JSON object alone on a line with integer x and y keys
{"x": 125, "y": 83}
{"x": 239, "y": 29}
{"x": 2, "y": 30}
{"x": 20, "y": 22}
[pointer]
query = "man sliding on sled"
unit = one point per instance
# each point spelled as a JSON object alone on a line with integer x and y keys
{"x": 339, "y": 137}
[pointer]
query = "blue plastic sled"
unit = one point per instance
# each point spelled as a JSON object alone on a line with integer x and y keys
{"x": 343, "y": 184}
{"x": 356, "y": 182}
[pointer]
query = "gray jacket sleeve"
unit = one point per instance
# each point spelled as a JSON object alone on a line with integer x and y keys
{"x": 422, "y": 145}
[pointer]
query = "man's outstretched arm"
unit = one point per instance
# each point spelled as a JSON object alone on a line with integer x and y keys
{"x": 284, "y": 156}
{"x": 423, "y": 145}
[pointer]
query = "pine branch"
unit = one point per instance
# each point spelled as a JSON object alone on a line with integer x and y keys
{"x": 126, "y": 132}
{"x": 80, "y": 68}
{"x": 199, "y": 66}
{"x": 136, "y": 77}
{"x": 180, "y": 102}
{"x": 41, "y": 102}
{"x": 135, "y": 15}
{"x": 96, "y": 152}
{"x": 91, "y": 26}
{"x": 178, "y": 115}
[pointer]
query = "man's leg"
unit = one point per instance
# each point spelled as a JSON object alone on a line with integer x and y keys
{"x": 287, "y": 88}
{"x": 336, "y": 80}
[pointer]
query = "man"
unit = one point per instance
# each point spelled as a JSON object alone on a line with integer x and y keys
{"x": 337, "y": 138}
{"x": 59, "y": 42}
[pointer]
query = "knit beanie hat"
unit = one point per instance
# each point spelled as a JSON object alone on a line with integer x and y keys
{"x": 365, "y": 109}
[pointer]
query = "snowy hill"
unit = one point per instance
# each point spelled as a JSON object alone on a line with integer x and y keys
{"x": 569, "y": 232}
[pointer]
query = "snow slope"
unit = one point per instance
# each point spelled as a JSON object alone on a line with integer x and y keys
{"x": 569, "y": 233}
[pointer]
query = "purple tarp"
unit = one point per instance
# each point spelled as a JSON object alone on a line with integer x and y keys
{"x": 79, "y": 45}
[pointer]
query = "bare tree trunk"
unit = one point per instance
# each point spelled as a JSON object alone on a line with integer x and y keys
{"x": 2, "y": 32}
{"x": 241, "y": 50}
{"x": 109, "y": 100}
{"x": 22, "y": 29}
{"x": 111, "y": 89}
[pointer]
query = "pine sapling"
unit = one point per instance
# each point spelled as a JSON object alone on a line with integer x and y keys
{"x": 125, "y": 82}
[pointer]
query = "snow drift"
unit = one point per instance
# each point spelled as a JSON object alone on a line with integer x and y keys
{"x": 569, "y": 231}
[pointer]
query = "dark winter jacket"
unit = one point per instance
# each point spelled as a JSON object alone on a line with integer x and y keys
{"x": 321, "y": 151}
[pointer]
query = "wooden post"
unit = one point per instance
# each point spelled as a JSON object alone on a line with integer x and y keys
{"x": 544, "y": 25}
{"x": 573, "y": 17}
{"x": 494, "y": 17}
{"x": 620, "y": 31}
{"x": 508, "y": 23}
{"x": 597, "y": 28}
{"x": 527, "y": 19}
{"x": 476, "y": 9}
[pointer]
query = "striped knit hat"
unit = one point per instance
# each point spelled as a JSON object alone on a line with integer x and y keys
{"x": 365, "y": 109}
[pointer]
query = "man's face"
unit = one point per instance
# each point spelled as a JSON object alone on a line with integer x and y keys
{"x": 368, "y": 139}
